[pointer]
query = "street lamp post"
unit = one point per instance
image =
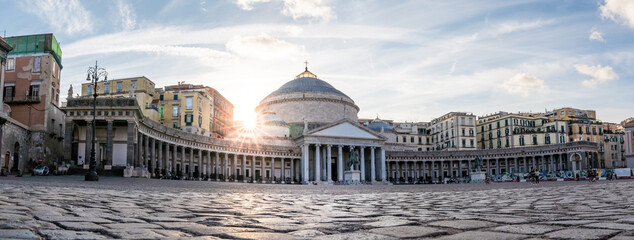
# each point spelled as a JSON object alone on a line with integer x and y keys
{"x": 94, "y": 73}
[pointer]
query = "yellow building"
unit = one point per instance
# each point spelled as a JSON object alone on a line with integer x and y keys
{"x": 568, "y": 113}
{"x": 509, "y": 130}
{"x": 140, "y": 88}
{"x": 187, "y": 107}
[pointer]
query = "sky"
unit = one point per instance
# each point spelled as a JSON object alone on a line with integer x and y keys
{"x": 400, "y": 60}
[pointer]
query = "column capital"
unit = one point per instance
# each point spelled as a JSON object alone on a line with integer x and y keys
{"x": 373, "y": 147}
{"x": 329, "y": 145}
{"x": 318, "y": 145}
{"x": 362, "y": 147}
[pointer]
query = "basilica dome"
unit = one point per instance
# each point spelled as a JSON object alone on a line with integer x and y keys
{"x": 308, "y": 99}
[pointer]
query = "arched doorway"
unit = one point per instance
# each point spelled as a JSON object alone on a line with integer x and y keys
{"x": 575, "y": 159}
{"x": 16, "y": 157}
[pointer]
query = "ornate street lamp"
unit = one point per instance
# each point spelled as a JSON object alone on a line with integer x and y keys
{"x": 94, "y": 73}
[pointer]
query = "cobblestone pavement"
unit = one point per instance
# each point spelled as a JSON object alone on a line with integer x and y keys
{"x": 68, "y": 208}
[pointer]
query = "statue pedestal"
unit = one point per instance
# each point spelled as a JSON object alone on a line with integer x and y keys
{"x": 478, "y": 177}
{"x": 352, "y": 177}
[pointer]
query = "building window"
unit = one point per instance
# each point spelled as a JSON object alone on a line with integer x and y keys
{"x": 161, "y": 97}
{"x": 411, "y": 139}
{"x": 547, "y": 139}
{"x": 10, "y": 64}
{"x": 200, "y": 104}
{"x": 106, "y": 88}
{"x": 522, "y": 141}
{"x": 119, "y": 87}
{"x": 175, "y": 96}
{"x": 133, "y": 86}
{"x": 535, "y": 140}
{"x": 89, "y": 90}
{"x": 189, "y": 118}
{"x": 36, "y": 64}
{"x": 34, "y": 91}
{"x": 471, "y": 141}
{"x": 174, "y": 110}
{"x": 404, "y": 139}
{"x": 189, "y": 102}
{"x": 200, "y": 121}
{"x": 175, "y": 123}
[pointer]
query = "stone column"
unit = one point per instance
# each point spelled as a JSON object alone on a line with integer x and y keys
{"x": 182, "y": 161}
{"x": 525, "y": 164}
{"x": 372, "y": 165}
{"x": 488, "y": 166}
{"x": 469, "y": 167}
{"x": 543, "y": 163}
{"x": 340, "y": 163}
{"x": 450, "y": 165}
{"x": 406, "y": 170}
{"x": 174, "y": 158}
{"x": 517, "y": 168}
{"x": 234, "y": 166}
{"x": 305, "y": 168}
{"x": 263, "y": 169}
{"x": 460, "y": 168}
{"x": 88, "y": 141}
{"x": 152, "y": 157}
{"x": 144, "y": 151}
{"x": 272, "y": 170}
{"x": 506, "y": 165}
{"x": 362, "y": 164}
{"x": 244, "y": 168}
{"x": 497, "y": 166}
{"x": 131, "y": 134}
{"x": 253, "y": 180}
{"x": 216, "y": 165}
{"x": 382, "y": 156}
{"x": 329, "y": 162}
{"x": 432, "y": 173}
{"x": 293, "y": 170}
{"x": 159, "y": 161}
{"x": 191, "y": 163}
{"x": 317, "y": 163}
{"x": 225, "y": 165}
{"x": 200, "y": 163}
{"x": 282, "y": 173}
{"x": 109, "y": 143}
{"x": 442, "y": 170}
{"x": 422, "y": 169}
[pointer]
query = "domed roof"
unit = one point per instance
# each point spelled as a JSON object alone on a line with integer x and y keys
{"x": 378, "y": 124}
{"x": 271, "y": 119}
{"x": 306, "y": 82}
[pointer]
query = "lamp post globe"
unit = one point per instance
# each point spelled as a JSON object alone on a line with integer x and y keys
{"x": 94, "y": 74}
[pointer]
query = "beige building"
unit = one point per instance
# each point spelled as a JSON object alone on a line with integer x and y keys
{"x": 188, "y": 107}
{"x": 568, "y": 113}
{"x": 141, "y": 88}
{"x": 453, "y": 131}
{"x": 512, "y": 130}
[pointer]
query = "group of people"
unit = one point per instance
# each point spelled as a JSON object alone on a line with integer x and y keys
{"x": 534, "y": 176}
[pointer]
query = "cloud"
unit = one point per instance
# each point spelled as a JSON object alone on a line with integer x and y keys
{"x": 515, "y": 26}
{"x": 247, "y": 4}
{"x": 619, "y": 11}
{"x": 264, "y": 47}
{"x": 524, "y": 84}
{"x": 596, "y": 35}
{"x": 308, "y": 9}
{"x": 599, "y": 73}
{"x": 67, "y": 16}
{"x": 203, "y": 5}
{"x": 127, "y": 15}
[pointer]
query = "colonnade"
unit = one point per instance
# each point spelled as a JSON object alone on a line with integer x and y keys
{"x": 161, "y": 157}
{"x": 327, "y": 162}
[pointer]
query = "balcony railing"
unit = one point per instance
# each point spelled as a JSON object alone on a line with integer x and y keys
{"x": 25, "y": 99}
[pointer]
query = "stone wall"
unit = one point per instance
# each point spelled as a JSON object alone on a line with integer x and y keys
{"x": 13, "y": 132}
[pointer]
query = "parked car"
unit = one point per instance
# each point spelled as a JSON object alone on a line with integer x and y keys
{"x": 41, "y": 170}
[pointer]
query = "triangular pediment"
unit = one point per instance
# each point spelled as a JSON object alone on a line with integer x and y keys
{"x": 346, "y": 129}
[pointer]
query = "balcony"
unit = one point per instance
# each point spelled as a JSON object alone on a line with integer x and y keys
{"x": 18, "y": 100}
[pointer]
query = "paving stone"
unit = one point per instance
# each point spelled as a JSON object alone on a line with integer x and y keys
{"x": 354, "y": 236}
{"x": 527, "y": 229}
{"x": 483, "y": 235}
{"x": 81, "y": 226}
{"x": 307, "y": 233}
{"x": 408, "y": 231}
{"x": 264, "y": 235}
{"x": 463, "y": 224}
{"x": 617, "y": 226}
{"x": 135, "y": 233}
{"x": 581, "y": 233}
{"x": 17, "y": 234}
{"x": 66, "y": 234}
{"x": 626, "y": 220}
{"x": 570, "y": 222}
{"x": 131, "y": 226}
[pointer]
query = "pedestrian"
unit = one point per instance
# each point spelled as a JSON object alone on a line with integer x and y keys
{"x": 536, "y": 175}
{"x": 486, "y": 179}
